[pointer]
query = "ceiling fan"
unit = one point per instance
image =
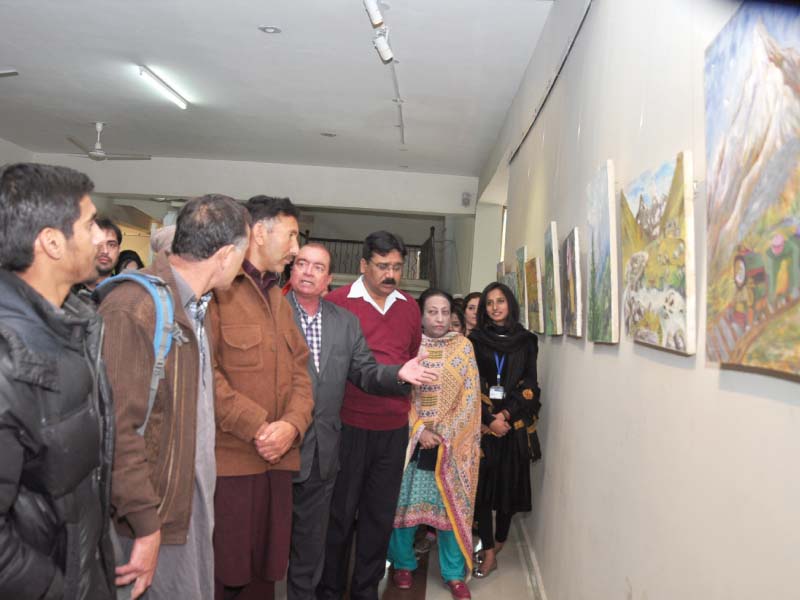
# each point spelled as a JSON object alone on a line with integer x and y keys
{"x": 99, "y": 154}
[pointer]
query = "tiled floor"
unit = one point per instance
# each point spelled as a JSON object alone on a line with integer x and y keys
{"x": 512, "y": 580}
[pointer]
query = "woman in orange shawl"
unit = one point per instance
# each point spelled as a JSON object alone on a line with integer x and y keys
{"x": 441, "y": 476}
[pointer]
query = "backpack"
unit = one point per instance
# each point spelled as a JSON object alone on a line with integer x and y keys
{"x": 166, "y": 330}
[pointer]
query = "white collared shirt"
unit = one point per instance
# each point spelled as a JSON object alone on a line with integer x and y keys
{"x": 359, "y": 290}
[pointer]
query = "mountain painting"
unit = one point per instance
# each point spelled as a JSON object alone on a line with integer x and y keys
{"x": 533, "y": 281}
{"x": 603, "y": 310}
{"x": 573, "y": 304}
{"x": 552, "y": 282}
{"x": 658, "y": 298}
{"x": 752, "y": 89}
{"x": 522, "y": 256}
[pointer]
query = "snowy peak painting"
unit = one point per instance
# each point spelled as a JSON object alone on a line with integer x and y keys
{"x": 603, "y": 309}
{"x": 658, "y": 302}
{"x": 752, "y": 85}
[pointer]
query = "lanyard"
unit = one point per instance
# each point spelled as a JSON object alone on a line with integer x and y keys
{"x": 499, "y": 362}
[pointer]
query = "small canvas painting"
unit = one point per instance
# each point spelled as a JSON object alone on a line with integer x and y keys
{"x": 572, "y": 302}
{"x": 522, "y": 256}
{"x": 603, "y": 304}
{"x": 552, "y": 281}
{"x": 533, "y": 285}
{"x": 752, "y": 94}
{"x": 657, "y": 215}
{"x": 510, "y": 279}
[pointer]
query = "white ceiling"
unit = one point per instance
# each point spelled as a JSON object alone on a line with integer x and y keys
{"x": 261, "y": 97}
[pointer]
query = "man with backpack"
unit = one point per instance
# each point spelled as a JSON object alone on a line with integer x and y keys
{"x": 164, "y": 467}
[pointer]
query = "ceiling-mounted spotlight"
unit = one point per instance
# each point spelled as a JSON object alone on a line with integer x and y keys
{"x": 8, "y": 72}
{"x": 381, "y": 43}
{"x": 374, "y": 13}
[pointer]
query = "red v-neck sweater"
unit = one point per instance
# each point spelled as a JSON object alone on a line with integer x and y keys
{"x": 394, "y": 338}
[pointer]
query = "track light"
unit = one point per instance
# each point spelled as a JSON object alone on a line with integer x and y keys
{"x": 374, "y": 13}
{"x": 8, "y": 72}
{"x": 381, "y": 43}
{"x": 163, "y": 87}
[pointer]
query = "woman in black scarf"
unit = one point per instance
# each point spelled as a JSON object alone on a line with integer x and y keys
{"x": 506, "y": 355}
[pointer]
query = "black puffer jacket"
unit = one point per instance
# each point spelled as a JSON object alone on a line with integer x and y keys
{"x": 56, "y": 445}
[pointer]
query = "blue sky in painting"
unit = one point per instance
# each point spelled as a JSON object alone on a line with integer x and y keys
{"x": 650, "y": 184}
{"x": 726, "y": 67}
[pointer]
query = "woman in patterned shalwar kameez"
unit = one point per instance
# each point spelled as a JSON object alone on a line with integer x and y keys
{"x": 441, "y": 477}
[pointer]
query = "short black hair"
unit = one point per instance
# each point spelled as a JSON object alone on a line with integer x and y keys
{"x": 266, "y": 208}
{"x": 127, "y": 256}
{"x": 33, "y": 197}
{"x": 208, "y": 223}
{"x": 430, "y": 293}
{"x": 513, "y": 305}
{"x": 106, "y": 224}
{"x": 381, "y": 243}
{"x": 459, "y": 314}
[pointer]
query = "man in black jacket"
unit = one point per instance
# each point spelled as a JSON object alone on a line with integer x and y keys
{"x": 55, "y": 422}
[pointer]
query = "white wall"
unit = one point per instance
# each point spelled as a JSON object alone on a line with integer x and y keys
{"x": 456, "y": 250}
{"x": 305, "y": 185}
{"x": 486, "y": 244}
{"x": 414, "y": 229}
{"x": 11, "y": 153}
{"x": 663, "y": 477}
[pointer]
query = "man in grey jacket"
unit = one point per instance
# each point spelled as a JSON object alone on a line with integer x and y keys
{"x": 337, "y": 352}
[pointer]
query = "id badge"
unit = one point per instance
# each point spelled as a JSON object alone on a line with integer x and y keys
{"x": 497, "y": 392}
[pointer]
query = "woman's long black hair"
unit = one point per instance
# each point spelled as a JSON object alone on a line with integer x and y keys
{"x": 513, "y": 306}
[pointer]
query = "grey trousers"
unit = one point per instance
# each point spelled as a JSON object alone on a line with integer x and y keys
{"x": 310, "y": 512}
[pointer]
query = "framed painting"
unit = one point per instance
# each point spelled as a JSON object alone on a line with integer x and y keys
{"x": 753, "y": 191}
{"x": 571, "y": 297}
{"x": 657, "y": 222}
{"x": 522, "y": 289}
{"x": 533, "y": 285}
{"x": 552, "y": 282}
{"x": 602, "y": 315}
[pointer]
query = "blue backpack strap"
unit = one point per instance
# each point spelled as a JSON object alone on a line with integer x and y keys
{"x": 164, "y": 327}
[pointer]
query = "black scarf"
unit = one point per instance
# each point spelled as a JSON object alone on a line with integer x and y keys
{"x": 509, "y": 341}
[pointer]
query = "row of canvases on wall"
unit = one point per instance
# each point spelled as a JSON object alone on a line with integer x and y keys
{"x": 752, "y": 96}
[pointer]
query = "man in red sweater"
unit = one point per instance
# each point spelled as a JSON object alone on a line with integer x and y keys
{"x": 374, "y": 428}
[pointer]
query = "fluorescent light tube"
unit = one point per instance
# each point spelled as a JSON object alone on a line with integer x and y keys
{"x": 163, "y": 87}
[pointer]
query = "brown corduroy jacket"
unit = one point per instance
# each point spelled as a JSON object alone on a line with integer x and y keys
{"x": 260, "y": 374}
{"x": 153, "y": 475}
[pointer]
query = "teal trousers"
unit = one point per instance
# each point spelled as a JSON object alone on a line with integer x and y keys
{"x": 451, "y": 561}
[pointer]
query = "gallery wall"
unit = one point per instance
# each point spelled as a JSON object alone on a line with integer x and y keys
{"x": 663, "y": 476}
{"x": 306, "y": 185}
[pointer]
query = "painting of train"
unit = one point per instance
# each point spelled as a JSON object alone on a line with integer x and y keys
{"x": 752, "y": 86}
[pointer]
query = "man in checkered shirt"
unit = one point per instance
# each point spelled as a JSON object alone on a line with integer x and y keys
{"x": 338, "y": 352}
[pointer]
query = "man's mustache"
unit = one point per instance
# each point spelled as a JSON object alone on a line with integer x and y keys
{"x": 389, "y": 281}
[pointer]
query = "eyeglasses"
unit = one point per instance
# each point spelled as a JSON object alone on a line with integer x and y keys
{"x": 386, "y": 267}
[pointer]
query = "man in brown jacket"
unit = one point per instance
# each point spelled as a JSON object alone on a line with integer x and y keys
{"x": 163, "y": 480}
{"x": 263, "y": 408}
